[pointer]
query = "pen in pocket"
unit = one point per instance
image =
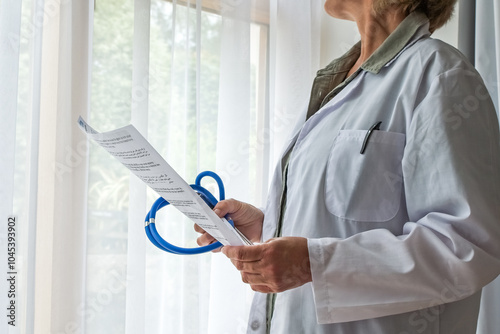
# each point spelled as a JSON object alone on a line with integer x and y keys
{"x": 375, "y": 126}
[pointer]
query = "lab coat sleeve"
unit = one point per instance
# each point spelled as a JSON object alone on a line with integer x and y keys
{"x": 450, "y": 247}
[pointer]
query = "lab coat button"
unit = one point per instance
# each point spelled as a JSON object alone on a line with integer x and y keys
{"x": 255, "y": 325}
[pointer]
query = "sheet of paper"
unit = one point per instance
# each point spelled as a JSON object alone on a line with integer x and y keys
{"x": 136, "y": 153}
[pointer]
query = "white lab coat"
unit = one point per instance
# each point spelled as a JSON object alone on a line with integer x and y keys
{"x": 402, "y": 238}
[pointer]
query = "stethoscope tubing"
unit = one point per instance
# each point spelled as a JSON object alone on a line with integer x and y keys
{"x": 150, "y": 224}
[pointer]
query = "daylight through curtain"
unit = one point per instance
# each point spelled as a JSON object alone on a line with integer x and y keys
{"x": 189, "y": 76}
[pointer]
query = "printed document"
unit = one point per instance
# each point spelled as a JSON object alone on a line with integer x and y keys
{"x": 138, "y": 155}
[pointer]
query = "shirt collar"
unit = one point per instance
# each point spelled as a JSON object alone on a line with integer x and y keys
{"x": 414, "y": 27}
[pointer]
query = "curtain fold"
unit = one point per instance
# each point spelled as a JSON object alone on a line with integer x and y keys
{"x": 62, "y": 169}
{"x": 487, "y": 45}
{"x": 10, "y": 29}
{"x": 44, "y": 88}
{"x": 486, "y": 42}
{"x": 296, "y": 32}
{"x": 32, "y": 91}
{"x": 467, "y": 28}
{"x": 135, "y": 316}
{"x": 233, "y": 124}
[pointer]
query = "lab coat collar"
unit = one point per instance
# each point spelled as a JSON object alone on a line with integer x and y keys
{"x": 332, "y": 79}
{"x": 342, "y": 64}
{"x": 414, "y": 27}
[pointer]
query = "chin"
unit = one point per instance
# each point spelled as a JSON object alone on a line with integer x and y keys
{"x": 337, "y": 9}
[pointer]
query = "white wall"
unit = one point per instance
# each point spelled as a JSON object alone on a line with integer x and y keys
{"x": 449, "y": 33}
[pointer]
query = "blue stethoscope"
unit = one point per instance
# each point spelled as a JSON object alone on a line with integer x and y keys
{"x": 162, "y": 244}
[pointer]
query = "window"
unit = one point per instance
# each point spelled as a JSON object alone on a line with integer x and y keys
{"x": 183, "y": 89}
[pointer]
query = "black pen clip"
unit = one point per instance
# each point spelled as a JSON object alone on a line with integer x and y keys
{"x": 372, "y": 128}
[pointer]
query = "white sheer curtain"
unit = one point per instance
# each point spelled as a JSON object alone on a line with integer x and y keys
{"x": 189, "y": 75}
{"x": 82, "y": 261}
{"x": 45, "y": 86}
{"x": 484, "y": 39}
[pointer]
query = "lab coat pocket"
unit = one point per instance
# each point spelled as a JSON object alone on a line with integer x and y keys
{"x": 365, "y": 187}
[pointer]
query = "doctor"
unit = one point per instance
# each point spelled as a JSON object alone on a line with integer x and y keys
{"x": 383, "y": 216}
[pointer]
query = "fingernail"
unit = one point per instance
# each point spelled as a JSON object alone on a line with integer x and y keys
{"x": 217, "y": 211}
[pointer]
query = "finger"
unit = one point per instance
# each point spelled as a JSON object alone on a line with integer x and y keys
{"x": 205, "y": 239}
{"x": 217, "y": 250}
{"x": 271, "y": 240}
{"x": 224, "y": 207}
{"x": 253, "y": 267}
{"x": 243, "y": 253}
{"x": 252, "y": 279}
{"x": 219, "y": 213}
{"x": 198, "y": 229}
{"x": 261, "y": 288}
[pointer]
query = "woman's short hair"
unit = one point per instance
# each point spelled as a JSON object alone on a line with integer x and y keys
{"x": 438, "y": 11}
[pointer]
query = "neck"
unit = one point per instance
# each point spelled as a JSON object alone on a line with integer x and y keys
{"x": 374, "y": 31}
